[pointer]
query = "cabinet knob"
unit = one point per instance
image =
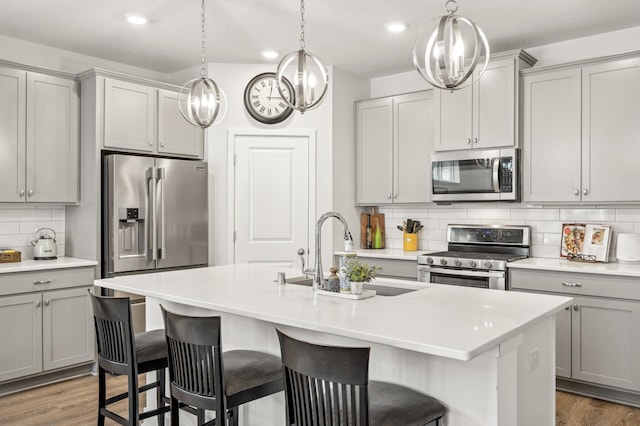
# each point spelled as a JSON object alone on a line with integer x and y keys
{"x": 389, "y": 196}
{"x": 30, "y": 193}
{"x": 468, "y": 140}
{"x": 395, "y": 195}
{"x": 37, "y": 304}
{"x": 585, "y": 192}
{"x": 21, "y": 192}
{"x": 567, "y": 308}
{"x": 576, "y": 192}
{"x": 475, "y": 140}
{"x": 162, "y": 144}
{"x": 46, "y": 302}
{"x": 150, "y": 143}
{"x": 576, "y": 307}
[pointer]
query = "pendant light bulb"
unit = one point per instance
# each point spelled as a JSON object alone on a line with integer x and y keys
{"x": 201, "y": 101}
{"x": 307, "y": 72}
{"x": 448, "y": 56}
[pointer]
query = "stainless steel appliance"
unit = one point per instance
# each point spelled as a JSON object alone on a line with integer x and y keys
{"x": 155, "y": 216}
{"x": 477, "y": 256}
{"x": 475, "y": 175}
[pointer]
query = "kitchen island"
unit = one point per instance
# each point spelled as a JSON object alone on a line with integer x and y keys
{"x": 488, "y": 355}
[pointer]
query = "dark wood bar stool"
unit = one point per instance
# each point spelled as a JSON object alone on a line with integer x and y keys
{"x": 204, "y": 377}
{"x": 329, "y": 385}
{"x": 122, "y": 353}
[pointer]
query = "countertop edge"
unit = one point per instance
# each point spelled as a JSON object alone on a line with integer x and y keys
{"x": 30, "y": 265}
{"x": 562, "y": 265}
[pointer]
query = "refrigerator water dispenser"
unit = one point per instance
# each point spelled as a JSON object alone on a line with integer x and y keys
{"x": 131, "y": 232}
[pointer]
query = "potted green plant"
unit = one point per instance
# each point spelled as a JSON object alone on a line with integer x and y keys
{"x": 357, "y": 274}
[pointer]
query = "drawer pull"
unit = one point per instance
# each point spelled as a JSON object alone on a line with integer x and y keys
{"x": 42, "y": 282}
{"x": 568, "y": 284}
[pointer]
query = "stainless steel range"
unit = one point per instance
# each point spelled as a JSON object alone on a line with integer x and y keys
{"x": 477, "y": 256}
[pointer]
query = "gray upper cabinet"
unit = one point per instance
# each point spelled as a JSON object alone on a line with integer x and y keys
{"x": 551, "y": 136}
{"x": 129, "y": 111}
{"x": 175, "y": 134}
{"x": 12, "y": 134}
{"x": 143, "y": 118}
{"x": 581, "y": 133}
{"x": 485, "y": 114}
{"x": 394, "y": 142}
{"x": 38, "y": 137}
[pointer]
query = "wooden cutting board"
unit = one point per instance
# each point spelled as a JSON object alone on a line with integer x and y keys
{"x": 363, "y": 228}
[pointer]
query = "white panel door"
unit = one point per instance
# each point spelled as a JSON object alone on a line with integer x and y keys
{"x": 129, "y": 111}
{"x": 272, "y": 195}
{"x": 454, "y": 119}
{"x": 494, "y": 109}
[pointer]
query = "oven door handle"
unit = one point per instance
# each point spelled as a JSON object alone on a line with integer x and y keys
{"x": 464, "y": 273}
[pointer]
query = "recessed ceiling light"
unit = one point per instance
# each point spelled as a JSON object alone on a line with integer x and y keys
{"x": 136, "y": 18}
{"x": 396, "y": 27}
{"x": 270, "y": 54}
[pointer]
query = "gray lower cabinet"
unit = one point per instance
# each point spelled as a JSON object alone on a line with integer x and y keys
{"x": 44, "y": 330}
{"x": 598, "y": 337}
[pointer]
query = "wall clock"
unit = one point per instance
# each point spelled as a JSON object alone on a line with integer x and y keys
{"x": 263, "y": 101}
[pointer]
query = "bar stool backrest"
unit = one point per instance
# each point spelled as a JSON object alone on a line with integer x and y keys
{"x": 195, "y": 361}
{"x": 114, "y": 334}
{"x": 325, "y": 385}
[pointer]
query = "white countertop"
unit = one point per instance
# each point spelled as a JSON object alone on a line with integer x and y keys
{"x": 563, "y": 265}
{"x": 397, "y": 254}
{"x": 449, "y": 321}
{"x": 27, "y": 265}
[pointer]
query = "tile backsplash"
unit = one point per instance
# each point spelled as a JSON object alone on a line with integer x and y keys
{"x": 18, "y": 225}
{"x": 546, "y": 224}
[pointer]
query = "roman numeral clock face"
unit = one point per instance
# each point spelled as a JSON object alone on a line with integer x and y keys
{"x": 263, "y": 100}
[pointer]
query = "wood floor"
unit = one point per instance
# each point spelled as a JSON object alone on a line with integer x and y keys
{"x": 74, "y": 402}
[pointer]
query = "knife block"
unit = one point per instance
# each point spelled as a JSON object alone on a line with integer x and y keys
{"x": 363, "y": 228}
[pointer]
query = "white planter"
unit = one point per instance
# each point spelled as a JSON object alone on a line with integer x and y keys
{"x": 356, "y": 287}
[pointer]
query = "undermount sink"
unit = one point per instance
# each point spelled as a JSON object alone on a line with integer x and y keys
{"x": 381, "y": 290}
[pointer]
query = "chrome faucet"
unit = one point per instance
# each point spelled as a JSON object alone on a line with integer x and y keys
{"x": 317, "y": 271}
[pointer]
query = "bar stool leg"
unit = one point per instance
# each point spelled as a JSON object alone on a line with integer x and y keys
{"x": 234, "y": 416}
{"x": 175, "y": 412}
{"x": 134, "y": 416}
{"x": 102, "y": 395}
{"x": 160, "y": 377}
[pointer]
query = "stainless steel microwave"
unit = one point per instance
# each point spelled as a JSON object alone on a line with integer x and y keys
{"x": 475, "y": 175}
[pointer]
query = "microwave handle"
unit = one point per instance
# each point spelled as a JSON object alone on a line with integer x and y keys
{"x": 496, "y": 175}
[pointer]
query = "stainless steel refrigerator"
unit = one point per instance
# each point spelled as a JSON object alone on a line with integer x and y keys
{"x": 154, "y": 217}
{"x": 155, "y": 214}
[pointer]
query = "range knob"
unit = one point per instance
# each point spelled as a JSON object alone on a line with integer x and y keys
{"x": 472, "y": 263}
{"x": 457, "y": 263}
{"x": 443, "y": 261}
{"x": 429, "y": 261}
{"x": 488, "y": 265}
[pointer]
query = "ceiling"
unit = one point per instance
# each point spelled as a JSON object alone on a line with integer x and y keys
{"x": 348, "y": 34}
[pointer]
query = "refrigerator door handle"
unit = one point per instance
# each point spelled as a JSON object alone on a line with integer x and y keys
{"x": 150, "y": 204}
{"x": 162, "y": 254}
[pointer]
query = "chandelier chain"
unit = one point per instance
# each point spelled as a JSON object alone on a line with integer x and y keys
{"x": 203, "y": 70}
{"x": 302, "y": 24}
